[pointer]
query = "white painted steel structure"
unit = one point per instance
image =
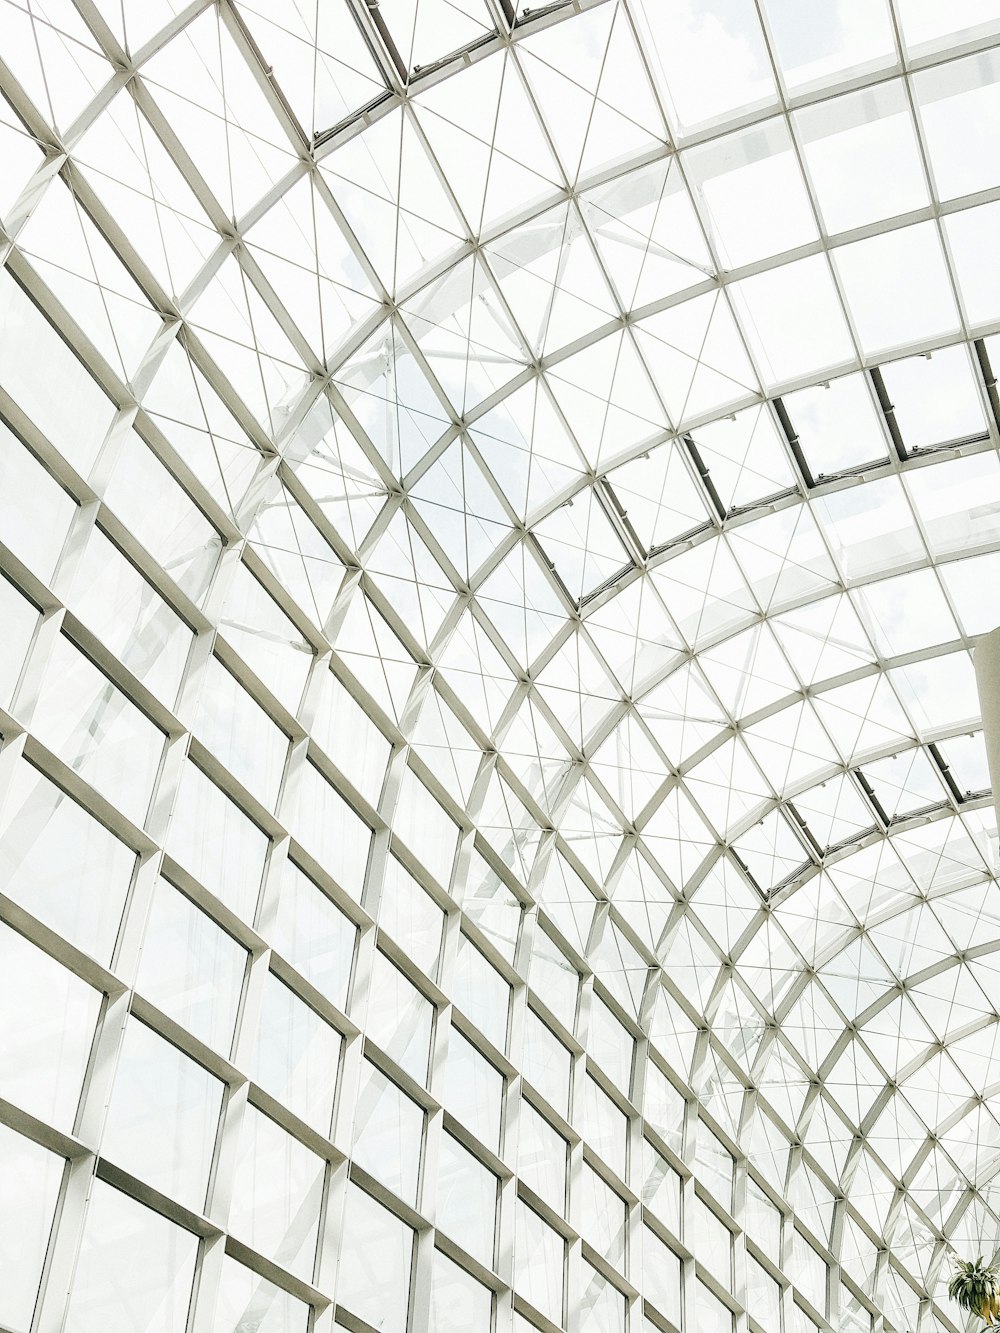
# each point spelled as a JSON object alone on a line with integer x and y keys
{"x": 496, "y": 510}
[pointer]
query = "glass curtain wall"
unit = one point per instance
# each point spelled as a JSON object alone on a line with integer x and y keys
{"x": 496, "y": 508}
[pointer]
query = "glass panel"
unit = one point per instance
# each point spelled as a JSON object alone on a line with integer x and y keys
{"x": 862, "y": 155}
{"x": 712, "y": 1243}
{"x": 603, "y": 1124}
{"x": 610, "y": 1044}
{"x": 190, "y": 968}
{"x": 473, "y": 1090}
{"x": 31, "y": 1179}
{"x": 350, "y": 738}
{"x": 329, "y": 829}
{"x": 539, "y": 1255}
{"x": 135, "y": 1269}
{"x": 935, "y": 398}
{"x": 298, "y": 1055}
{"x": 240, "y": 734}
{"x": 710, "y": 1313}
{"x": 91, "y": 725}
{"x": 248, "y": 1301}
{"x": 277, "y": 1195}
{"x": 481, "y": 993}
{"x": 76, "y": 418}
{"x": 602, "y": 1308}
{"x": 388, "y": 1131}
{"x": 541, "y": 1156}
{"x": 20, "y": 619}
{"x": 466, "y": 1200}
{"x": 315, "y": 936}
{"x": 661, "y": 1277}
{"x": 48, "y": 842}
{"x": 602, "y": 1217}
{"x": 163, "y": 1116}
{"x": 47, "y": 1017}
{"x": 411, "y": 917}
{"x": 838, "y": 425}
{"x": 842, "y": 42}
{"x": 751, "y": 187}
{"x": 375, "y": 1258}
{"x": 113, "y": 599}
{"x": 661, "y": 1189}
{"x": 546, "y": 1063}
{"x": 35, "y": 535}
{"x": 400, "y": 1019}
{"x": 459, "y": 1303}
{"x": 213, "y": 839}
{"x": 424, "y": 827}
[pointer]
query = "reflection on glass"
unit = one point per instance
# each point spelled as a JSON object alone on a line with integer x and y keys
{"x": 113, "y": 599}
{"x": 601, "y": 1216}
{"x": 481, "y": 992}
{"x": 546, "y": 1063}
{"x": 411, "y": 917}
{"x": 91, "y": 725}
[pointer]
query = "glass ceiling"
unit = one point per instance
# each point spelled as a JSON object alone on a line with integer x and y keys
{"x": 497, "y": 507}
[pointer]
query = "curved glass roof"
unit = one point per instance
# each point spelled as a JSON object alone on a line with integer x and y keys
{"x": 498, "y": 508}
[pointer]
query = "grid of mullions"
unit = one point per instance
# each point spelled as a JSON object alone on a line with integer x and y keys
{"x": 599, "y": 824}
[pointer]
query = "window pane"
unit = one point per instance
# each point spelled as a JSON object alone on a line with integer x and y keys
{"x": 473, "y": 1090}
{"x": 213, "y": 839}
{"x": 481, "y": 993}
{"x": 541, "y": 1156}
{"x": 411, "y": 917}
{"x": 47, "y": 841}
{"x": 190, "y": 968}
{"x": 388, "y": 1133}
{"x": 163, "y": 1116}
{"x": 298, "y": 1055}
{"x": 375, "y": 1257}
{"x": 247, "y": 1301}
{"x": 459, "y": 1304}
{"x": 539, "y": 1255}
{"x": 400, "y": 1018}
{"x": 276, "y": 1197}
{"x": 135, "y": 1269}
{"x": 47, "y": 1018}
{"x": 31, "y": 1178}
{"x": 315, "y": 936}
{"x": 466, "y": 1200}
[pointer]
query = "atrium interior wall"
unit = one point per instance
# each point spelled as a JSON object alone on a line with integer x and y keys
{"x": 497, "y": 507}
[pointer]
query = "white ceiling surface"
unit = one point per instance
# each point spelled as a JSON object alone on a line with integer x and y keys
{"x": 456, "y": 352}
